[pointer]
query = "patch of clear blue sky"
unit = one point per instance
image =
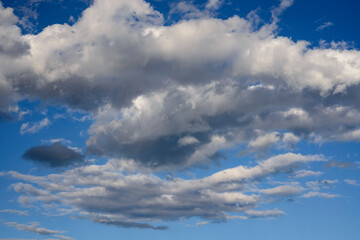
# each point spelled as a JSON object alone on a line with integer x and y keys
{"x": 307, "y": 219}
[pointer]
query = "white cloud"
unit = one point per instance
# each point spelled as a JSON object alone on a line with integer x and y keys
{"x": 213, "y": 4}
{"x": 283, "y": 191}
{"x": 319, "y": 194}
{"x": 149, "y": 83}
{"x": 60, "y": 237}
{"x": 324, "y": 25}
{"x": 266, "y": 213}
{"x": 34, "y": 127}
{"x": 188, "y": 140}
{"x": 317, "y": 185}
{"x": 14, "y": 211}
{"x": 201, "y": 223}
{"x": 307, "y": 173}
{"x": 352, "y": 182}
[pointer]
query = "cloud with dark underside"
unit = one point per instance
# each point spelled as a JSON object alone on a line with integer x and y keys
{"x": 124, "y": 224}
{"x": 55, "y": 155}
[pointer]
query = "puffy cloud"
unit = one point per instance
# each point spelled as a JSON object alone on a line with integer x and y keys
{"x": 213, "y": 4}
{"x": 11, "y": 42}
{"x": 149, "y": 85}
{"x": 33, "y": 227}
{"x": 106, "y": 195}
{"x": 187, "y": 140}
{"x": 55, "y": 155}
{"x": 12, "y": 48}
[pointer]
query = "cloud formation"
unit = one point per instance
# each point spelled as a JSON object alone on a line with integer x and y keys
{"x": 33, "y": 227}
{"x": 324, "y": 25}
{"x": 150, "y": 85}
{"x": 107, "y": 195}
{"x": 35, "y": 127}
{"x": 55, "y": 155}
{"x": 14, "y": 211}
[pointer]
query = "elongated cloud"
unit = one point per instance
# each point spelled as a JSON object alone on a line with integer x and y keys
{"x": 107, "y": 195}
{"x": 33, "y": 227}
{"x": 14, "y": 211}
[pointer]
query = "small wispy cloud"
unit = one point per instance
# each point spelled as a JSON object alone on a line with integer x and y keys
{"x": 320, "y": 194}
{"x": 307, "y": 173}
{"x": 352, "y": 182}
{"x": 324, "y": 25}
{"x": 33, "y": 227}
{"x": 14, "y": 211}
{"x": 339, "y": 164}
{"x": 35, "y": 127}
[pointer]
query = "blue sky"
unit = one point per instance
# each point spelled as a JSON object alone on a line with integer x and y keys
{"x": 179, "y": 119}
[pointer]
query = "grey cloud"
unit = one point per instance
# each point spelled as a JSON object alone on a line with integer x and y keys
{"x": 5, "y": 117}
{"x": 124, "y": 224}
{"x": 55, "y": 155}
{"x": 340, "y": 164}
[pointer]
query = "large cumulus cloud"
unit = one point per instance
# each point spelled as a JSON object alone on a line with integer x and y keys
{"x": 220, "y": 82}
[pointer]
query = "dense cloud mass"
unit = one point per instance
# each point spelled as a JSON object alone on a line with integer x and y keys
{"x": 55, "y": 155}
{"x": 219, "y": 82}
